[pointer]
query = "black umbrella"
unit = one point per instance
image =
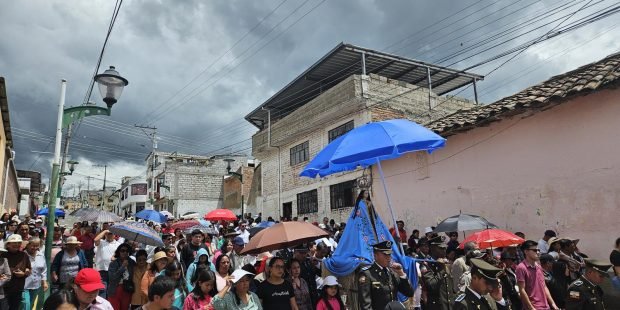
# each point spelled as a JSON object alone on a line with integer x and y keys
{"x": 463, "y": 222}
{"x": 254, "y": 230}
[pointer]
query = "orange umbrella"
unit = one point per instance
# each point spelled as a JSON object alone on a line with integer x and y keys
{"x": 221, "y": 215}
{"x": 493, "y": 238}
{"x": 283, "y": 235}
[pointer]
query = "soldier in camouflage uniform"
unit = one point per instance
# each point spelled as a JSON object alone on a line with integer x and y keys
{"x": 484, "y": 291}
{"x": 380, "y": 282}
{"x": 584, "y": 293}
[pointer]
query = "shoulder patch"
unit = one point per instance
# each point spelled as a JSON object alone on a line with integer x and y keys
{"x": 574, "y": 295}
{"x": 577, "y": 283}
{"x": 365, "y": 267}
{"x": 460, "y": 298}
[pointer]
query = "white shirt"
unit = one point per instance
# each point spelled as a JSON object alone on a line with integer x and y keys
{"x": 104, "y": 253}
{"x": 245, "y": 235}
{"x": 543, "y": 246}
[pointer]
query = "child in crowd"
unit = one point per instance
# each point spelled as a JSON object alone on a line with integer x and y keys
{"x": 330, "y": 295}
{"x": 200, "y": 297}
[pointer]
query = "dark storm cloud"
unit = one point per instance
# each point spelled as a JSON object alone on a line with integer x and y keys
{"x": 162, "y": 47}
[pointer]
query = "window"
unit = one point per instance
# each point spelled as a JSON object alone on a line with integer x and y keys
{"x": 342, "y": 195}
{"x": 300, "y": 153}
{"x": 339, "y": 131}
{"x": 307, "y": 202}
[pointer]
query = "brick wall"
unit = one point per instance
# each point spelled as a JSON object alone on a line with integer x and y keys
{"x": 357, "y": 98}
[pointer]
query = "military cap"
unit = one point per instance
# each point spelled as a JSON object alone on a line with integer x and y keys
{"x": 486, "y": 270}
{"x": 301, "y": 248}
{"x": 598, "y": 265}
{"x": 438, "y": 241}
{"x": 384, "y": 247}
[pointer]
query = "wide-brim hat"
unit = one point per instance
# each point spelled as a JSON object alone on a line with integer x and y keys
{"x": 159, "y": 255}
{"x": 553, "y": 240}
{"x": 72, "y": 240}
{"x": 14, "y": 238}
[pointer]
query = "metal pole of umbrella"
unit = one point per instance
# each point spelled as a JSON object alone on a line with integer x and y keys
{"x": 387, "y": 195}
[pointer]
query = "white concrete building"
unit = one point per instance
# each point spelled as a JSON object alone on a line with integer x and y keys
{"x": 189, "y": 183}
{"x": 133, "y": 196}
{"x": 348, "y": 87}
{"x": 24, "y": 190}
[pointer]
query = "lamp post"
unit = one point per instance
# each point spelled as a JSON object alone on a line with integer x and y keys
{"x": 111, "y": 86}
{"x": 238, "y": 176}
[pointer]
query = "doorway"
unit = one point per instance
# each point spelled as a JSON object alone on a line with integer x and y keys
{"x": 287, "y": 210}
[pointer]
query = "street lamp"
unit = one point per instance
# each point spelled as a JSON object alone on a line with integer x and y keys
{"x": 71, "y": 164}
{"x": 111, "y": 85}
{"x": 238, "y": 176}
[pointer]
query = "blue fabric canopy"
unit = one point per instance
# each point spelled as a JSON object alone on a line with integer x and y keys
{"x": 151, "y": 215}
{"x": 355, "y": 245}
{"x": 45, "y": 211}
{"x": 370, "y": 143}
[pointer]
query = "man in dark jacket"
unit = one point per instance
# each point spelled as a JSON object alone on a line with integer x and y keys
{"x": 377, "y": 284}
{"x": 437, "y": 279}
{"x": 188, "y": 254}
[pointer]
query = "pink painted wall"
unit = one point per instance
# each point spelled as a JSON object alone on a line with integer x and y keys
{"x": 557, "y": 169}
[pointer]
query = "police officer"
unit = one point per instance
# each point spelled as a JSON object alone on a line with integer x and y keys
{"x": 379, "y": 283}
{"x": 584, "y": 293}
{"x": 484, "y": 291}
{"x": 437, "y": 279}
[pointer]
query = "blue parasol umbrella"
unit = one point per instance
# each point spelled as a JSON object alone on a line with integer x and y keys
{"x": 45, "y": 212}
{"x": 361, "y": 147}
{"x": 265, "y": 224}
{"x": 151, "y": 215}
{"x": 138, "y": 232}
{"x": 370, "y": 144}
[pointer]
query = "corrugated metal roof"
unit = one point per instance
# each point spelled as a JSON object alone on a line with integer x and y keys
{"x": 556, "y": 90}
{"x": 345, "y": 60}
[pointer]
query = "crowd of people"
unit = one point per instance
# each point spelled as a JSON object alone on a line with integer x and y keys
{"x": 91, "y": 268}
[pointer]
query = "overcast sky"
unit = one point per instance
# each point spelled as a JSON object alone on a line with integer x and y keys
{"x": 196, "y": 68}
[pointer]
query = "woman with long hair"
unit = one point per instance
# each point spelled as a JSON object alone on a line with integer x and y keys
{"x": 226, "y": 247}
{"x": 302, "y": 291}
{"x": 363, "y": 199}
{"x": 222, "y": 270}
{"x": 120, "y": 277}
{"x": 138, "y": 298}
{"x": 275, "y": 292}
{"x": 158, "y": 263}
{"x": 236, "y": 295}
{"x": 174, "y": 270}
{"x": 204, "y": 290}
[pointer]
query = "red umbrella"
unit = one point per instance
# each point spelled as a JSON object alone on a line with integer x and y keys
{"x": 493, "y": 238}
{"x": 185, "y": 224}
{"x": 221, "y": 215}
{"x": 283, "y": 235}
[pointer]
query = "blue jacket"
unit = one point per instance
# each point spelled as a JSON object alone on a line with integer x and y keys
{"x": 58, "y": 260}
{"x": 192, "y": 268}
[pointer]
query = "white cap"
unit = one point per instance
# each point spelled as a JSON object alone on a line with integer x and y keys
{"x": 428, "y": 230}
{"x": 238, "y": 274}
{"x": 322, "y": 226}
{"x": 330, "y": 281}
